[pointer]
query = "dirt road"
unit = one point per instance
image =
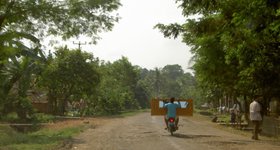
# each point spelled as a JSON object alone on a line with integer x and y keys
{"x": 145, "y": 132}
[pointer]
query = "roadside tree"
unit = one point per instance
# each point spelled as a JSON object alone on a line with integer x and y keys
{"x": 72, "y": 76}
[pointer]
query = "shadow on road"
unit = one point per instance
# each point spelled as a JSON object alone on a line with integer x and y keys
{"x": 189, "y": 136}
{"x": 221, "y": 143}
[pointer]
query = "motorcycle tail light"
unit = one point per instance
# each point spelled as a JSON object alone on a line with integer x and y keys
{"x": 171, "y": 119}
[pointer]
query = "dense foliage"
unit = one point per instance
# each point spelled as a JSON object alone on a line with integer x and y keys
{"x": 71, "y": 81}
{"x": 169, "y": 81}
{"x": 235, "y": 45}
{"x": 69, "y": 77}
{"x": 24, "y": 23}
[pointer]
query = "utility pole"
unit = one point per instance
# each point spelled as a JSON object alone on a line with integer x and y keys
{"x": 157, "y": 83}
{"x": 79, "y": 44}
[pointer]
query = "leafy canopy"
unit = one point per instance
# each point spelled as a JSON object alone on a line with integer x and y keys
{"x": 235, "y": 44}
{"x": 65, "y": 18}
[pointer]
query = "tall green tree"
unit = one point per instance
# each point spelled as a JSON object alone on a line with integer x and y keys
{"x": 235, "y": 44}
{"x": 172, "y": 74}
{"x": 117, "y": 91}
{"x": 23, "y": 23}
{"x": 170, "y": 81}
{"x": 71, "y": 76}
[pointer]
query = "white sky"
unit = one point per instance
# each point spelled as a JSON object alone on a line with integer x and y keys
{"x": 134, "y": 37}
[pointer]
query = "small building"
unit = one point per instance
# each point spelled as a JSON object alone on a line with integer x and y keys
{"x": 39, "y": 101}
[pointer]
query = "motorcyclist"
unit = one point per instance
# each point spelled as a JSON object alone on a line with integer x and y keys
{"x": 171, "y": 111}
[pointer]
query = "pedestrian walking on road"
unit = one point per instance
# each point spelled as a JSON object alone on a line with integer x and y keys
{"x": 255, "y": 116}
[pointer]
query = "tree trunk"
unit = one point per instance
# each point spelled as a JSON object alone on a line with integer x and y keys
{"x": 246, "y": 109}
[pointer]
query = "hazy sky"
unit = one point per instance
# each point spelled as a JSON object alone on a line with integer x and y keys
{"x": 134, "y": 37}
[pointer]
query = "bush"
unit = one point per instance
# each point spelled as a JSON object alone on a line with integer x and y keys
{"x": 207, "y": 112}
{"x": 42, "y": 118}
{"x": 10, "y": 117}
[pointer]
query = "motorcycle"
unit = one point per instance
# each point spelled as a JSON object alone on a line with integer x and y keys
{"x": 171, "y": 125}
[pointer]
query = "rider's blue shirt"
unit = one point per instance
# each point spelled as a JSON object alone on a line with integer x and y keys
{"x": 171, "y": 109}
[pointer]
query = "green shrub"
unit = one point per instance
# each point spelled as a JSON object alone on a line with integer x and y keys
{"x": 42, "y": 118}
{"x": 11, "y": 117}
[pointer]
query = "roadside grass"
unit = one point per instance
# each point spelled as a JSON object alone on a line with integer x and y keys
{"x": 44, "y": 139}
{"x": 35, "y": 118}
{"x": 47, "y": 138}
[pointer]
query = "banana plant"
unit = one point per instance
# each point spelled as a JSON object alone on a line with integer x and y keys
{"x": 17, "y": 65}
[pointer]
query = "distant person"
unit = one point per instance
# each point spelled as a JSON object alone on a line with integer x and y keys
{"x": 171, "y": 112}
{"x": 237, "y": 111}
{"x": 255, "y": 116}
{"x": 223, "y": 109}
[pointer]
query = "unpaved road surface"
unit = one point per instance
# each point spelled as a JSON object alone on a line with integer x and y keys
{"x": 145, "y": 132}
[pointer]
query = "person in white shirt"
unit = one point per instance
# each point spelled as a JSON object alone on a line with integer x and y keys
{"x": 255, "y": 116}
